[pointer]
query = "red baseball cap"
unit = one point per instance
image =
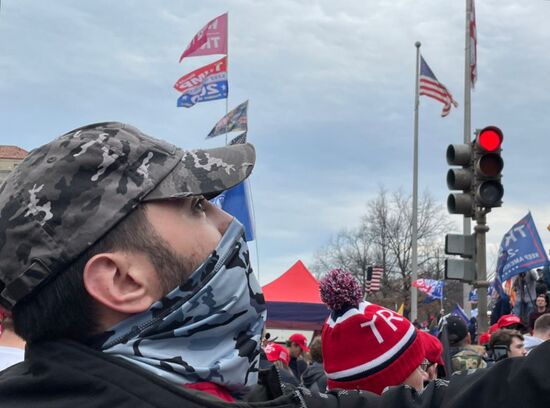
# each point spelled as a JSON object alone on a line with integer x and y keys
{"x": 433, "y": 349}
{"x": 484, "y": 338}
{"x": 275, "y": 352}
{"x": 300, "y": 340}
{"x": 508, "y": 320}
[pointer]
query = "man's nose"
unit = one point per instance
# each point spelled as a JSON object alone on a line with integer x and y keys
{"x": 221, "y": 219}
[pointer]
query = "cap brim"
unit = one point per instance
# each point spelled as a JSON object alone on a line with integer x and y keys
{"x": 206, "y": 172}
{"x": 304, "y": 347}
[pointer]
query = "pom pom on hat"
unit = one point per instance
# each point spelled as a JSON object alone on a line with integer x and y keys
{"x": 339, "y": 289}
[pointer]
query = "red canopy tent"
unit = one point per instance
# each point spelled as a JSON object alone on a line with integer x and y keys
{"x": 294, "y": 302}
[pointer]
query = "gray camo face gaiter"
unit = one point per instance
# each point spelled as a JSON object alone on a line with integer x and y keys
{"x": 207, "y": 329}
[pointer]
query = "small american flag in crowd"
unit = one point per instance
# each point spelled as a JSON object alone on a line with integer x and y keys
{"x": 374, "y": 274}
{"x": 430, "y": 86}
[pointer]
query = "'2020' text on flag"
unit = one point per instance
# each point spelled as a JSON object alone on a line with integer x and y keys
{"x": 431, "y": 87}
{"x": 208, "y": 83}
{"x": 211, "y": 39}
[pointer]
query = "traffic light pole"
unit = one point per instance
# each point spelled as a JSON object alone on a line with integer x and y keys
{"x": 481, "y": 283}
{"x": 467, "y": 227}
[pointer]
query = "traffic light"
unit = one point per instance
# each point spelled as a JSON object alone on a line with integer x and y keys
{"x": 461, "y": 179}
{"x": 488, "y": 165}
{"x": 460, "y": 269}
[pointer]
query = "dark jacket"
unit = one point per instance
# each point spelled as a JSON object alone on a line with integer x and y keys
{"x": 533, "y": 316}
{"x": 298, "y": 367}
{"x": 315, "y": 378}
{"x": 66, "y": 375}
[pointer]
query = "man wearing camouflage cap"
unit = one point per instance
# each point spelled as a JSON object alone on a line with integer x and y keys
{"x": 129, "y": 287}
{"x": 132, "y": 290}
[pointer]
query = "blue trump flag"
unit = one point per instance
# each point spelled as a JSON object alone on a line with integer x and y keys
{"x": 520, "y": 250}
{"x": 210, "y": 91}
{"x": 236, "y": 201}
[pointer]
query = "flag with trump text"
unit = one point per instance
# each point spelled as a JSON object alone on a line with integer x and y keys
{"x": 211, "y": 39}
{"x": 207, "y": 83}
{"x": 520, "y": 250}
{"x": 235, "y": 120}
{"x": 431, "y": 287}
{"x": 429, "y": 86}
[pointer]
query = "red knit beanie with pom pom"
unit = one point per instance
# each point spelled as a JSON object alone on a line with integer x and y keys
{"x": 365, "y": 346}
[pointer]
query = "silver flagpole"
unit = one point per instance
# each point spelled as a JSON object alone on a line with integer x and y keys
{"x": 227, "y": 77}
{"x": 414, "y": 274}
{"x": 467, "y": 227}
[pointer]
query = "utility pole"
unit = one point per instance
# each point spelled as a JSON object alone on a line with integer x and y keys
{"x": 481, "y": 283}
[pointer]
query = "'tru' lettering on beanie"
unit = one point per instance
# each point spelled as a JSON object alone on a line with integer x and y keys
{"x": 365, "y": 346}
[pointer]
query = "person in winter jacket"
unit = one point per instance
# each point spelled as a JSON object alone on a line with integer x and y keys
{"x": 132, "y": 290}
{"x": 314, "y": 377}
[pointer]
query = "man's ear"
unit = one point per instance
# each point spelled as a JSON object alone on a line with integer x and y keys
{"x": 122, "y": 282}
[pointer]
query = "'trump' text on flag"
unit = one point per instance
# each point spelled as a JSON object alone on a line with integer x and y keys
{"x": 211, "y": 39}
{"x": 520, "y": 250}
{"x": 208, "y": 83}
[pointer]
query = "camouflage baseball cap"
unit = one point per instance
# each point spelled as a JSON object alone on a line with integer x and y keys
{"x": 68, "y": 193}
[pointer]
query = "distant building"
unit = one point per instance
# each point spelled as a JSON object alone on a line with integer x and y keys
{"x": 10, "y": 156}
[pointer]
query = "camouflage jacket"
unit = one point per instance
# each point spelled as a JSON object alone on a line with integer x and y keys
{"x": 467, "y": 359}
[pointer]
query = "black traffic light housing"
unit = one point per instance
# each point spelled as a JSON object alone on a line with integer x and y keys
{"x": 488, "y": 165}
{"x": 479, "y": 177}
{"x": 461, "y": 179}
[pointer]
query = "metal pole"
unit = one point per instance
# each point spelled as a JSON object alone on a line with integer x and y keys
{"x": 414, "y": 272}
{"x": 481, "y": 267}
{"x": 466, "y": 226}
{"x": 227, "y": 79}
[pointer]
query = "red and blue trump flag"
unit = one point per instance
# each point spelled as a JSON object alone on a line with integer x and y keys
{"x": 208, "y": 83}
{"x": 431, "y": 87}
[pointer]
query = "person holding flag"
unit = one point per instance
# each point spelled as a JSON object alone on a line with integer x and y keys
{"x": 520, "y": 252}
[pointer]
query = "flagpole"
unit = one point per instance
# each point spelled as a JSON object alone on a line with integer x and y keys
{"x": 414, "y": 272}
{"x": 466, "y": 226}
{"x": 227, "y": 77}
{"x": 255, "y": 230}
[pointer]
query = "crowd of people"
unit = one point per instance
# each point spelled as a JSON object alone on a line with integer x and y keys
{"x": 129, "y": 288}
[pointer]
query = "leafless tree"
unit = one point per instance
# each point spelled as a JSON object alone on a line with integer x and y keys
{"x": 384, "y": 237}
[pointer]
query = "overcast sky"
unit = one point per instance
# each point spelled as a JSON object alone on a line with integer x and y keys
{"x": 331, "y": 90}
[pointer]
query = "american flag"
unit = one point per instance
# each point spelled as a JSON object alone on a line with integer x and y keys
{"x": 430, "y": 86}
{"x": 473, "y": 43}
{"x": 374, "y": 274}
{"x": 241, "y": 139}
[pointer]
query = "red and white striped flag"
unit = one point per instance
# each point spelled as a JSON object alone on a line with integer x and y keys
{"x": 431, "y": 87}
{"x": 473, "y": 43}
{"x": 374, "y": 275}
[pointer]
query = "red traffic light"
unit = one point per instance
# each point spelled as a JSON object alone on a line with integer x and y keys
{"x": 490, "y": 138}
